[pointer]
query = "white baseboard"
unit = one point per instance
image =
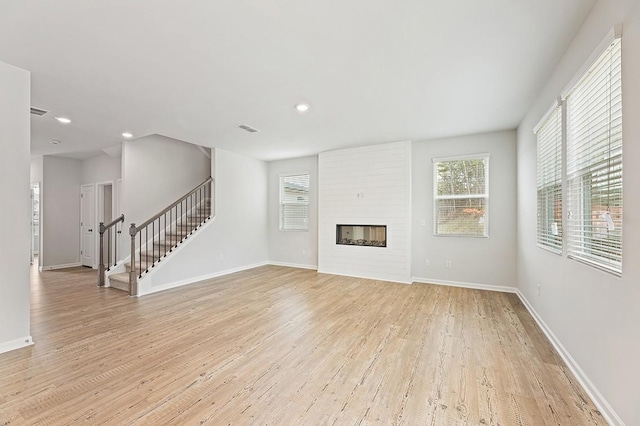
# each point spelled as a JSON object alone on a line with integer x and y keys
{"x": 201, "y": 278}
{"x": 604, "y": 407}
{"x": 15, "y": 344}
{"x": 462, "y": 284}
{"x": 293, "y": 265}
{"x": 62, "y": 266}
{"x": 368, "y": 277}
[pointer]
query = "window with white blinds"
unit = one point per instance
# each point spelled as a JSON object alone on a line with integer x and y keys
{"x": 549, "y": 180}
{"x": 294, "y": 202}
{"x": 461, "y": 196}
{"x": 594, "y": 164}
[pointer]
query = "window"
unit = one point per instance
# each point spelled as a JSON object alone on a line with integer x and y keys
{"x": 461, "y": 195}
{"x": 294, "y": 202}
{"x": 549, "y": 178}
{"x": 594, "y": 164}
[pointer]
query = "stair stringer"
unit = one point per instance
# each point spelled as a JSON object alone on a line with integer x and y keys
{"x": 145, "y": 283}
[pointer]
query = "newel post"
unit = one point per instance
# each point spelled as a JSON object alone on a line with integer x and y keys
{"x": 133, "y": 279}
{"x": 101, "y": 264}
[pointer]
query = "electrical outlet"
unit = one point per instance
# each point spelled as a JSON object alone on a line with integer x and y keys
{"x": 221, "y": 256}
{"x": 423, "y": 222}
{"x": 304, "y": 251}
{"x": 448, "y": 264}
{"x": 427, "y": 262}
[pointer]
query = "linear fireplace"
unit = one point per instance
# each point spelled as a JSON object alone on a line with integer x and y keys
{"x": 362, "y": 235}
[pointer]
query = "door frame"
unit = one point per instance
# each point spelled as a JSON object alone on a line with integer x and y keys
{"x": 39, "y": 186}
{"x": 100, "y": 211}
{"x": 92, "y": 225}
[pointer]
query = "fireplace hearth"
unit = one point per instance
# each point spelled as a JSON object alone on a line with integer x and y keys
{"x": 361, "y": 235}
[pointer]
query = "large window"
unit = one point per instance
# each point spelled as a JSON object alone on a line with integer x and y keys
{"x": 461, "y": 195}
{"x": 294, "y": 202}
{"x": 549, "y": 181}
{"x": 594, "y": 164}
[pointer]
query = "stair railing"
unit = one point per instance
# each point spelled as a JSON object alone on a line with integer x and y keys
{"x": 111, "y": 230}
{"x": 165, "y": 230}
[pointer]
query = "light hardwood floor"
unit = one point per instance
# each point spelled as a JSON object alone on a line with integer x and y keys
{"x": 284, "y": 346}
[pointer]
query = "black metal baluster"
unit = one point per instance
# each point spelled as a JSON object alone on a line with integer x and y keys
{"x": 133, "y": 255}
{"x": 115, "y": 244}
{"x": 108, "y": 249}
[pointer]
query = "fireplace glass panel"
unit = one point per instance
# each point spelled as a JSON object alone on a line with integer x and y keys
{"x": 362, "y": 235}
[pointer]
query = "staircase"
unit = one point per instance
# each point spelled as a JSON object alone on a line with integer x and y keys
{"x": 155, "y": 240}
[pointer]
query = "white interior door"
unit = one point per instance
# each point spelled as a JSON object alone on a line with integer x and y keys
{"x": 87, "y": 225}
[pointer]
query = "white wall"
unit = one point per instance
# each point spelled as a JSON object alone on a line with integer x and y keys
{"x": 36, "y": 169}
{"x": 15, "y": 213}
{"x": 101, "y": 168}
{"x": 60, "y": 212}
{"x": 593, "y": 314}
{"x": 235, "y": 239}
{"x": 487, "y": 261}
{"x": 293, "y": 248}
{"x": 156, "y": 172}
{"x": 382, "y": 174}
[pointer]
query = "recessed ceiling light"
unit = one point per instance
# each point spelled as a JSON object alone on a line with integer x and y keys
{"x": 63, "y": 120}
{"x": 302, "y": 107}
{"x": 127, "y": 135}
{"x": 54, "y": 142}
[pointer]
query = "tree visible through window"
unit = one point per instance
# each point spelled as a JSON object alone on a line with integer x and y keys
{"x": 461, "y": 195}
{"x": 294, "y": 202}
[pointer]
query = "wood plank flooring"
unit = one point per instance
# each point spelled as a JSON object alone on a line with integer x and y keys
{"x": 282, "y": 346}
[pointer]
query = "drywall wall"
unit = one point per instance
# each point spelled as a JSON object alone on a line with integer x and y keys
{"x": 60, "y": 214}
{"x": 366, "y": 186}
{"x": 156, "y": 172}
{"x": 478, "y": 261}
{"x": 594, "y": 315}
{"x": 235, "y": 239}
{"x": 15, "y": 214}
{"x": 36, "y": 169}
{"x": 293, "y": 248}
{"x": 101, "y": 168}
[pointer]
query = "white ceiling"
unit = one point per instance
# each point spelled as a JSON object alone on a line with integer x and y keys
{"x": 372, "y": 70}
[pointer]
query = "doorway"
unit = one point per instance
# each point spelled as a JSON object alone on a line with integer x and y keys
{"x": 106, "y": 213}
{"x": 35, "y": 221}
{"x": 87, "y": 225}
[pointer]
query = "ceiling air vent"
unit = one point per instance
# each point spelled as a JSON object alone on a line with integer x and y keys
{"x": 37, "y": 111}
{"x": 248, "y": 128}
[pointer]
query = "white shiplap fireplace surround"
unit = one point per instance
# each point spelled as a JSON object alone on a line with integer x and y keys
{"x": 362, "y": 186}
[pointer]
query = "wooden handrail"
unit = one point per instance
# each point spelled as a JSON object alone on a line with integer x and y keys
{"x": 172, "y": 205}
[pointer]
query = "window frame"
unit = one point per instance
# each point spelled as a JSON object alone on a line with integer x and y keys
{"x": 581, "y": 241}
{"x": 479, "y": 156}
{"x": 281, "y": 218}
{"x": 592, "y": 160}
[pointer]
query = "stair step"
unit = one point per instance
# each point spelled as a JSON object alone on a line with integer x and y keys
{"x": 120, "y": 281}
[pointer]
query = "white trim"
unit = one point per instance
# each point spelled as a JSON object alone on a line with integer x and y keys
{"x": 293, "y": 265}
{"x": 589, "y": 387}
{"x": 62, "y": 266}
{"x": 369, "y": 277}
{"x": 476, "y": 286}
{"x": 16, "y": 344}
{"x": 557, "y": 104}
{"x": 201, "y": 278}
{"x": 461, "y": 157}
{"x": 614, "y": 34}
